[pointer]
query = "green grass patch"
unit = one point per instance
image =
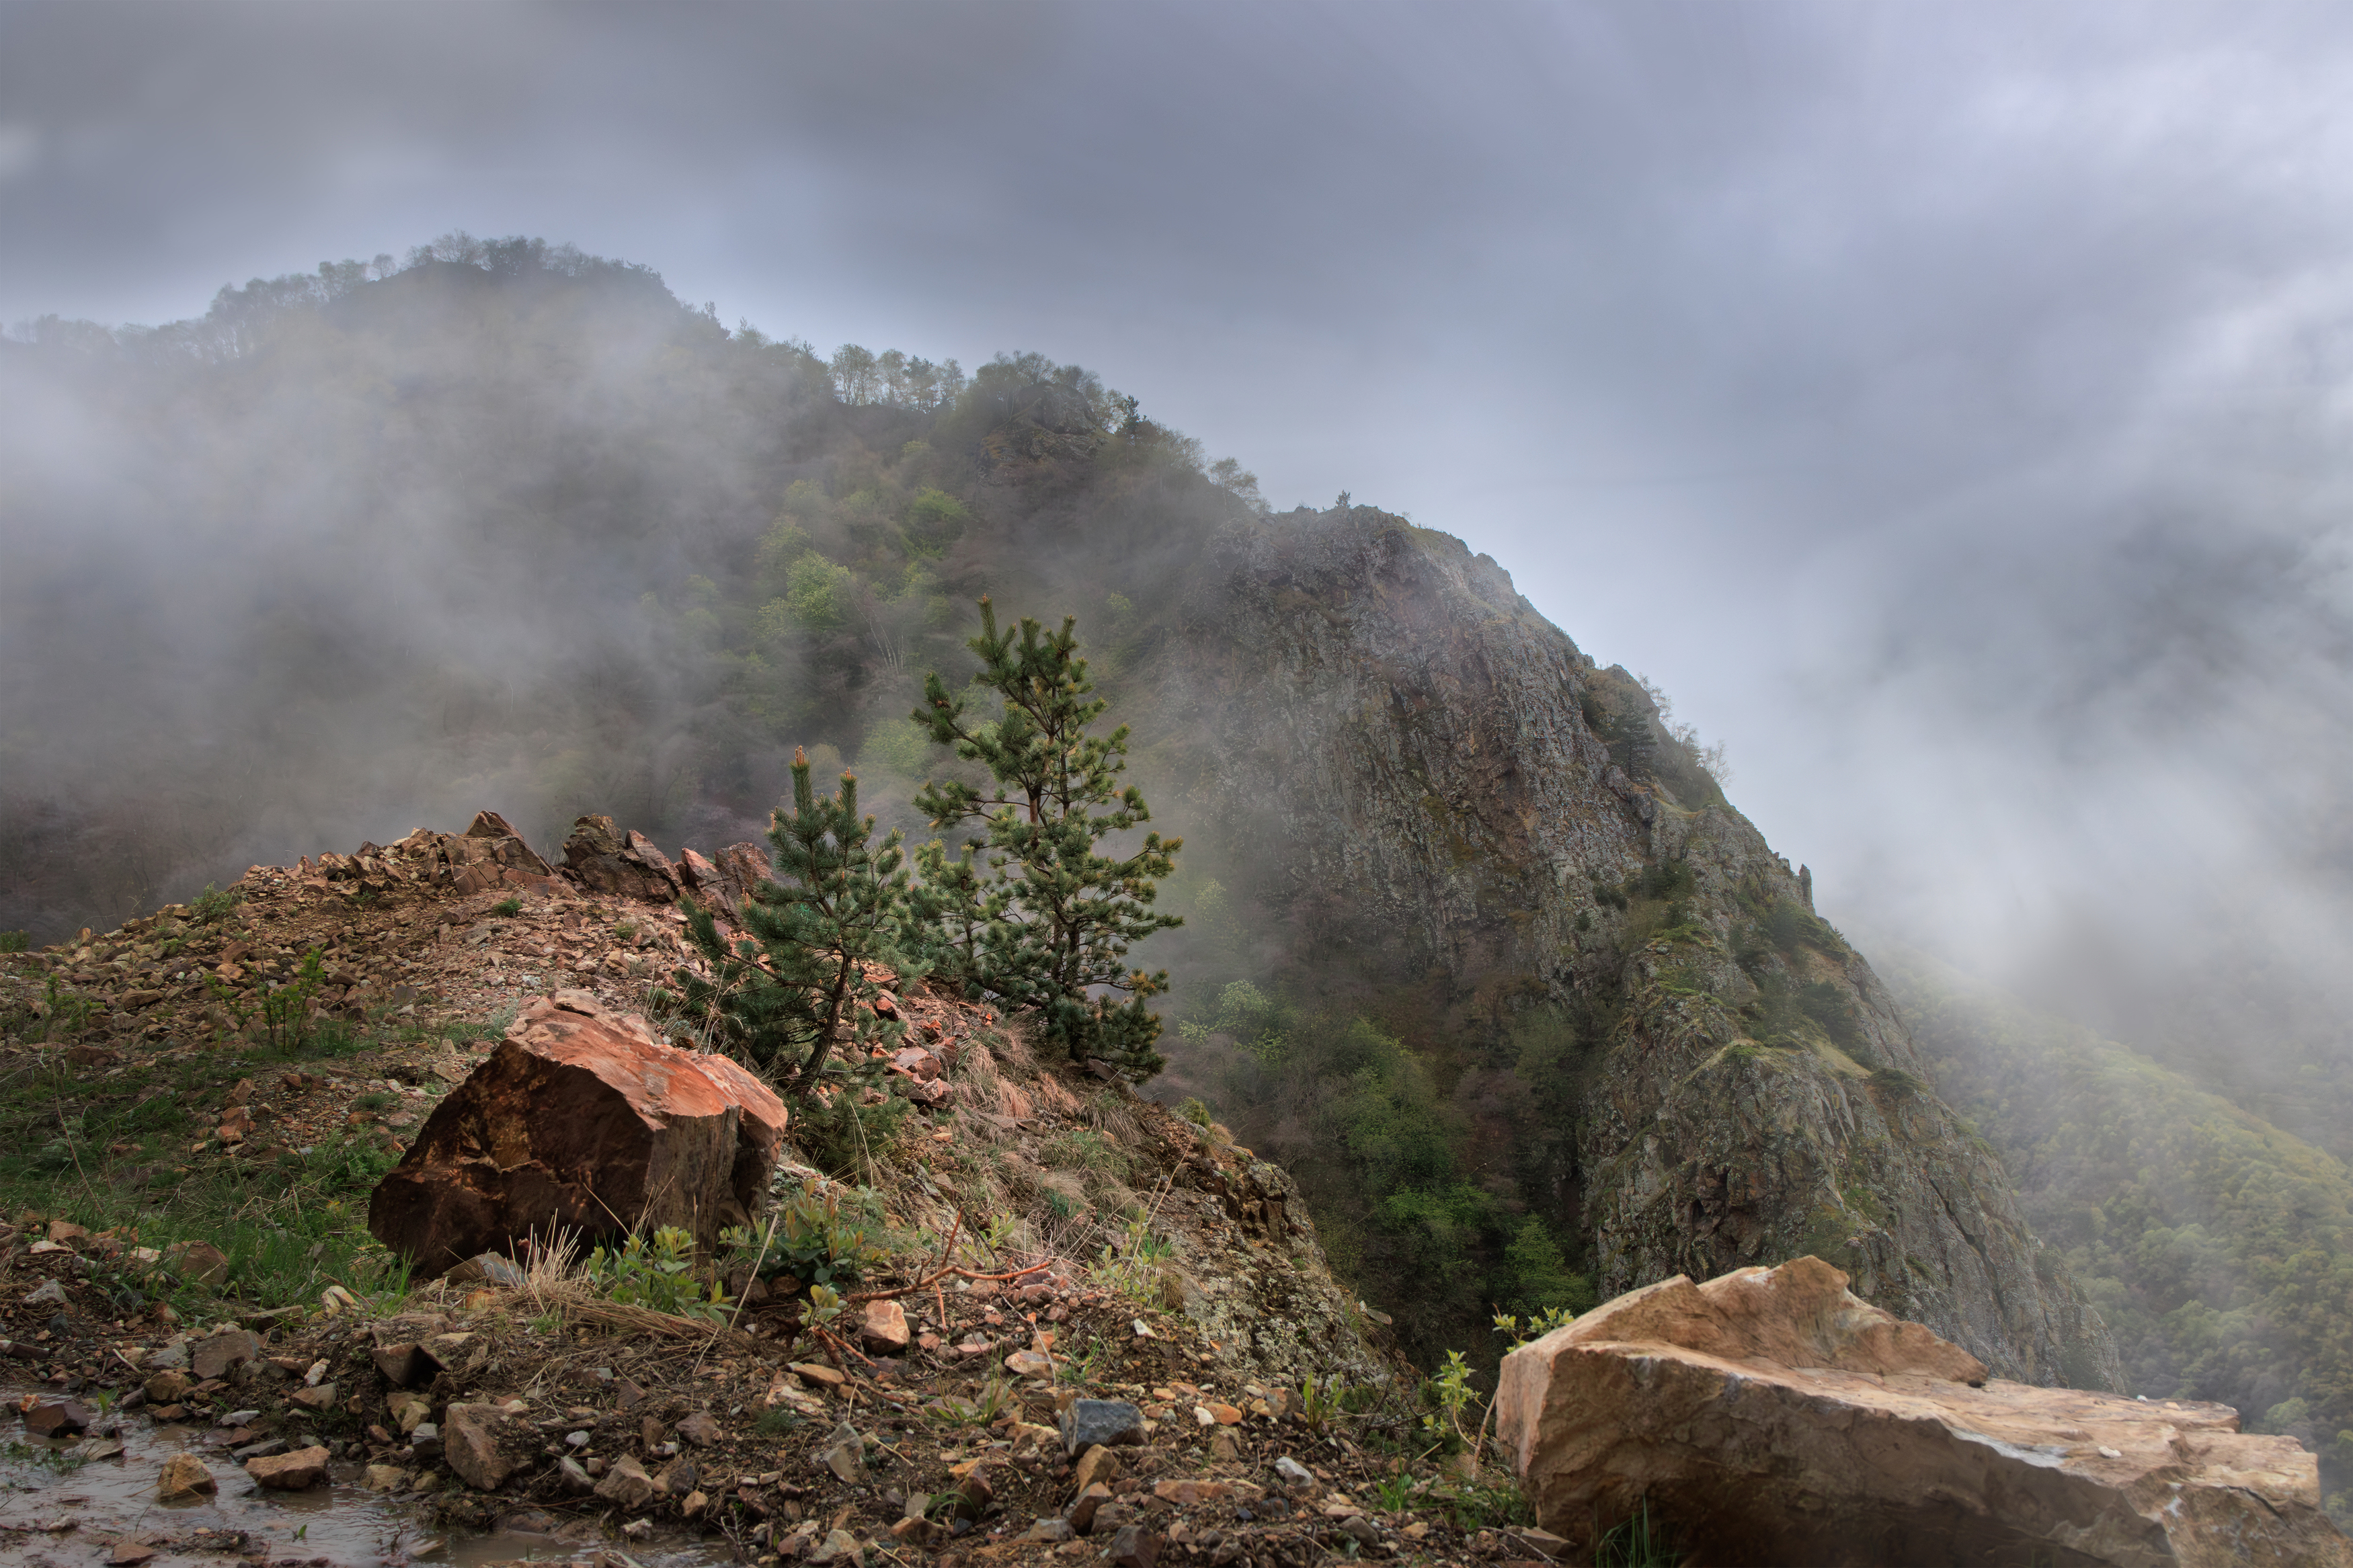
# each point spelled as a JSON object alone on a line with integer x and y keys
{"x": 115, "y": 1154}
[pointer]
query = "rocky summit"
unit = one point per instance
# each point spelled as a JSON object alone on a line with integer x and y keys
{"x": 1424, "y": 765}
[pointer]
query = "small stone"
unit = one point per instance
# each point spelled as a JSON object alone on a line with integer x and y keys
{"x": 638, "y": 1529}
{"x": 884, "y": 1325}
{"x": 627, "y": 1484}
{"x": 1097, "y": 1463}
{"x": 811, "y": 1372}
{"x": 197, "y": 1262}
{"x": 215, "y": 1355}
{"x": 317, "y": 1398}
{"x": 575, "y": 1480}
{"x": 1363, "y": 1531}
{"x": 49, "y": 1293}
{"x": 57, "y": 1418}
{"x": 1540, "y": 1545}
{"x": 1030, "y": 1363}
{"x": 486, "y": 1268}
{"x": 699, "y": 1429}
{"x": 294, "y": 1472}
{"x": 846, "y": 1455}
{"x": 1224, "y": 1414}
{"x": 425, "y": 1442}
{"x": 128, "y": 1554}
{"x": 1293, "y": 1473}
{"x": 384, "y": 1478}
{"x": 1184, "y": 1494}
{"x": 1081, "y": 1513}
{"x": 678, "y": 1477}
{"x": 171, "y": 1357}
{"x": 1108, "y": 1421}
{"x": 1134, "y": 1547}
{"x": 469, "y": 1441}
{"x": 409, "y": 1410}
{"x": 1050, "y": 1530}
{"x": 973, "y": 1494}
{"x": 692, "y": 1504}
{"x": 1224, "y": 1446}
{"x": 838, "y": 1546}
{"x": 184, "y": 1476}
{"x": 402, "y": 1365}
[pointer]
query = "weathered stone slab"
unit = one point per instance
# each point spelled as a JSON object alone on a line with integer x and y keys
{"x": 1769, "y": 1415}
{"x": 581, "y": 1121}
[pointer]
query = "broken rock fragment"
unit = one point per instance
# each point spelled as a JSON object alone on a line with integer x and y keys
{"x": 1773, "y": 1416}
{"x": 215, "y": 1355}
{"x": 627, "y": 1484}
{"x": 185, "y": 1478}
{"x": 478, "y": 1440}
{"x": 294, "y": 1472}
{"x": 581, "y": 1115}
{"x": 1109, "y": 1421}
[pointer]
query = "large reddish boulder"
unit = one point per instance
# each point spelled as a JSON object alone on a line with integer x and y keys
{"x": 1771, "y": 1416}
{"x": 582, "y": 1121}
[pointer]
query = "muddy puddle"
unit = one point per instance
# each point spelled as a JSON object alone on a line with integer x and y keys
{"x": 58, "y": 1507}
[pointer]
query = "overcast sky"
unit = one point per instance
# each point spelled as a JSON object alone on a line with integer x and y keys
{"x": 1947, "y": 404}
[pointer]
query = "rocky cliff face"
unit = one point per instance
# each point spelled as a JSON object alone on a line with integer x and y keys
{"x": 1396, "y": 736}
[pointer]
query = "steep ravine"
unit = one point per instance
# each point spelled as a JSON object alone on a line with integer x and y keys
{"x": 1399, "y": 742}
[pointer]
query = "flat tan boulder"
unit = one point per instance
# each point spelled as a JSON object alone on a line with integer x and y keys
{"x": 581, "y": 1121}
{"x": 1771, "y": 1416}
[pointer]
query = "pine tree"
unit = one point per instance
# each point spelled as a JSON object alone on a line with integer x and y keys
{"x": 1032, "y": 912}
{"x": 838, "y": 903}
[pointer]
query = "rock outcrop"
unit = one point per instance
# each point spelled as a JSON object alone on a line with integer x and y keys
{"x": 604, "y": 859}
{"x": 1423, "y": 768}
{"x": 582, "y": 1121}
{"x": 1771, "y": 1416}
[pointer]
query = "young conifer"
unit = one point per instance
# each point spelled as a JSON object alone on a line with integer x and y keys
{"x": 1032, "y": 912}
{"x": 838, "y": 903}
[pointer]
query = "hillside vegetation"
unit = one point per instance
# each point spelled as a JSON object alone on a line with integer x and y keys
{"x": 2219, "y": 1249}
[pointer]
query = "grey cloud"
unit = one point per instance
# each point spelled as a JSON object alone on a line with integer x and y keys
{"x": 1946, "y": 406}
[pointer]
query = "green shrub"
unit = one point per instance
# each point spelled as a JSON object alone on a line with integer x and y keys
{"x": 821, "y": 1233}
{"x": 507, "y": 906}
{"x": 214, "y": 903}
{"x": 659, "y": 1277}
{"x": 16, "y": 942}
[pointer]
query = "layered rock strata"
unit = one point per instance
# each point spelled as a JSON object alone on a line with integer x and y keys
{"x": 1421, "y": 761}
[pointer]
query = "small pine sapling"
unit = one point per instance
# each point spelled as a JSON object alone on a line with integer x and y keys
{"x": 797, "y": 981}
{"x": 1031, "y": 911}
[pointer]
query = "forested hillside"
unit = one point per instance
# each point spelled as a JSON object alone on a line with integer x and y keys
{"x": 507, "y": 522}
{"x": 1475, "y": 942}
{"x": 2219, "y": 1249}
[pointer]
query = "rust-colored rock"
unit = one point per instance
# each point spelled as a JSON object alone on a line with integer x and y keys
{"x": 298, "y": 1471}
{"x": 624, "y": 865}
{"x": 711, "y": 886}
{"x": 1769, "y": 1415}
{"x": 581, "y": 1121}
